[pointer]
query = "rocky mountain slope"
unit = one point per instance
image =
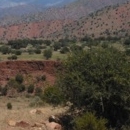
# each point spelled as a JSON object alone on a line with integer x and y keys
{"x": 110, "y": 21}
{"x": 37, "y": 12}
{"x": 74, "y": 20}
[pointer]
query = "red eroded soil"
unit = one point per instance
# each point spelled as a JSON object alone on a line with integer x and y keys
{"x": 31, "y": 70}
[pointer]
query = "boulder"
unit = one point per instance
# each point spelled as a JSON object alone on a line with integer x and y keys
{"x": 35, "y": 111}
{"x": 53, "y": 118}
{"x": 12, "y": 123}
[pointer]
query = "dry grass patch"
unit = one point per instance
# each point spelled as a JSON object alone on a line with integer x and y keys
{"x": 22, "y": 112}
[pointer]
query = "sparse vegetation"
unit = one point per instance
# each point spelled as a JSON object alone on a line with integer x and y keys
{"x": 93, "y": 62}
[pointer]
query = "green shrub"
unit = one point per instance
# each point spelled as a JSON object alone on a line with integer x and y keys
{"x": 53, "y": 95}
{"x": 47, "y": 53}
{"x": 9, "y": 106}
{"x": 5, "y": 50}
{"x": 4, "y": 91}
{"x": 21, "y": 88}
{"x": 64, "y": 50}
{"x": 56, "y": 46}
{"x": 38, "y": 51}
{"x": 89, "y": 122}
{"x": 30, "y": 88}
{"x": 12, "y": 83}
{"x": 13, "y": 57}
{"x": 18, "y": 52}
{"x": 19, "y": 78}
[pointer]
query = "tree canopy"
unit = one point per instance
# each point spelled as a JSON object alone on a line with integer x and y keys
{"x": 98, "y": 80}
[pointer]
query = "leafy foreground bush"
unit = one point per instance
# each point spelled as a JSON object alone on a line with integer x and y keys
{"x": 98, "y": 80}
{"x": 90, "y": 122}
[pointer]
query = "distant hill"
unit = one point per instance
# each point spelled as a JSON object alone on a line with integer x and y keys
{"x": 40, "y": 10}
{"x": 80, "y": 18}
{"x": 111, "y": 21}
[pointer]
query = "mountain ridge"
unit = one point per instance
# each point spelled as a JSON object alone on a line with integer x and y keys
{"x": 37, "y": 26}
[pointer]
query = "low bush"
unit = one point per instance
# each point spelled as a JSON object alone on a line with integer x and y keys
{"x": 89, "y": 122}
{"x": 18, "y": 52}
{"x": 13, "y": 57}
{"x": 4, "y": 91}
{"x": 19, "y": 78}
{"x": 21, "y": 88}
{"x": 9, "y": 106}
{"x": 53, "y": 95}
{"x": 30, "y": 88}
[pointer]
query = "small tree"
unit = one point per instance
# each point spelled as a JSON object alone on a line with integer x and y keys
{"x": 47, "y": 42}
{"x": 47, "y": 53}
{"x": 56, "y": 46}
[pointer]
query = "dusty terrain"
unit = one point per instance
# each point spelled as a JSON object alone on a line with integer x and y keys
{"x": 21, "y": 111}
{"x": 25, "y": 113}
